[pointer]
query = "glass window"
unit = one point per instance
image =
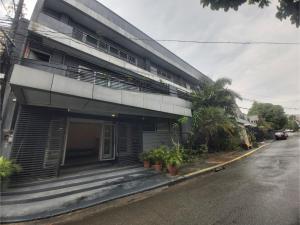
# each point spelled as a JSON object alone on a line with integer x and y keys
{"x": 123, "y": 55}
{"x": 91, "y": 40}
{"x": 37, "y": 55}
{"x": 131, "y": 59}
{"x": 102, "y": 45}
{"x": 113, "y": 50}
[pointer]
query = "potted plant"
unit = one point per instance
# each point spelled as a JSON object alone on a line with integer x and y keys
{"x": 173, "y": 161}
{"x": 157, "y": 157}
{"x": 145, "y": 157}
{"x": 7, "y": 168}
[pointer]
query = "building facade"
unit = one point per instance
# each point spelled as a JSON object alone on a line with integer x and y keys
{"x": 89, "y": 87}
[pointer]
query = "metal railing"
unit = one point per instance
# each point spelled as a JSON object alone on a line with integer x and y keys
{"x": 104, "y": 46}
{"x": 116, "y": 81}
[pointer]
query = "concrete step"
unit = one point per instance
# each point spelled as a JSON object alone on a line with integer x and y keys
{"x": 62, "y": 192}
{"x": 94, "y": 170}
{"x": 87, "y": 196}
{"x": 72, "y": 181}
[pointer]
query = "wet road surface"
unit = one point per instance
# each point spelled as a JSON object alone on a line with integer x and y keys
{"x": 260, "y": 190}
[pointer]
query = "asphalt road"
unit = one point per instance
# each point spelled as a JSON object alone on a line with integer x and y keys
{"x": 260, "y": 190}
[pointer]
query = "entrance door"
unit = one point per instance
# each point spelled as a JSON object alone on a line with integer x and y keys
{"x": 107, "y": 151}
{"x": 88, "y": 141}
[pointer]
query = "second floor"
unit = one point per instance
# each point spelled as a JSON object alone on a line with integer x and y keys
{"x": 93, "y": 29}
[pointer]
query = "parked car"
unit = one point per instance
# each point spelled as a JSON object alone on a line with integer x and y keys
{"x": 281, "y": 135}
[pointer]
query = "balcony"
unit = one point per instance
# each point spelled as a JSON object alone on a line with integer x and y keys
{"x": 105, "y": 47}
{"x": 92, "y": 92}
{"x": 101, "y": 78}
{"x": 93, "y": 49}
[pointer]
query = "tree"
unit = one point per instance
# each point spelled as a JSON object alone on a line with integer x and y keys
{"x": 217, "y": 95}
{"x": 286, "y": 9}
{"x": 292, "y": 123}
{"x": 213, "y": 114}
{"x": 210, "y": 121}
{"x": 271, "y": 116}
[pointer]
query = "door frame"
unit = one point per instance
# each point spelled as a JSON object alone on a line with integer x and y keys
{"x": 102, "y": 142}
{"x": 102, "y": 122}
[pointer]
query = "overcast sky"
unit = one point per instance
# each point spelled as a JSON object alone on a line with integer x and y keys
{"x": 267, "y": 73}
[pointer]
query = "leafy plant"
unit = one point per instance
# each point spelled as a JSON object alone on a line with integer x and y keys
{"x": 145, "y": 156}
{"x": 8, "y": 167}
{"x": 174, "y": 157}
{"x": 157, "y": 155}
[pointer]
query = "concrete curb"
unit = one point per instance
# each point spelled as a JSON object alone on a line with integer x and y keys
{"x": 199, "y": 172}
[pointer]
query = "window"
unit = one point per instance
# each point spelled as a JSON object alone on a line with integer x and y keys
{"x": 131, "y": 59}
{"x": 91, "y": 40}
{"x": 113, "y": 50}
{"x": 103, "y": 45}
{"x": 123, "y": 55}
{"x": 37, "y": 55}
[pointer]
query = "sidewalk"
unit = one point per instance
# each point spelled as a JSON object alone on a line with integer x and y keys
{"x": 133, "y": 186}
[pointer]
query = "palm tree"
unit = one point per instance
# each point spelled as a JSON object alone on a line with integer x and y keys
{"x": 209, "y": 121}
{"x": 213, "y": 111}
{"x": 216, "y": 94}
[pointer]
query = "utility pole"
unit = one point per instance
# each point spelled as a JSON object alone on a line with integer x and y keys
{"x": 16, "y": 19}
{"x": 11, "y": 39}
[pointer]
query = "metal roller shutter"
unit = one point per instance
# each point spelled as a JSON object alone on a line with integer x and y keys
{"x": 38, "y": 143}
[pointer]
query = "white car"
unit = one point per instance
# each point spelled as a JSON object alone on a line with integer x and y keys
{"x": 281, "y": 135}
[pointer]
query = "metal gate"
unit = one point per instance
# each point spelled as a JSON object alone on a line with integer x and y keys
{"x": 38, "y": 142}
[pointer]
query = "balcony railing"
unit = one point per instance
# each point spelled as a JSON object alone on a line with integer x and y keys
{"x": 105, "y": 46}
{"x": 116, "y": 81}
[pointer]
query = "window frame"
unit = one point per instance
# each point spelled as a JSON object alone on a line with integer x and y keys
{"x": 39, "y": 51}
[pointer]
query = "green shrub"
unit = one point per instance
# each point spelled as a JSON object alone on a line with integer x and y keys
{"x": 145, "y": 156}
{"x": 157, "y": 155}
{"x": 7, "y": 168}
{"x": 174, "y": 157}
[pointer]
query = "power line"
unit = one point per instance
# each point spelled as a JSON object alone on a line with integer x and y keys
{"x": 186, "y": 41}
{"x": 4, "y": 7}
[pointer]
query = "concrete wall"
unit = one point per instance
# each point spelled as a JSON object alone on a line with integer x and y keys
{"x": 32, "y": 80}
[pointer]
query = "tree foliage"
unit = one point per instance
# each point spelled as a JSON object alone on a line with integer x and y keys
{"x": 217, "y": 95}
{"x": 270, "y": 116}
{"x": 285, "y": 9}
{"x": 292, "y": 123}
{"x": 213, "y": 110}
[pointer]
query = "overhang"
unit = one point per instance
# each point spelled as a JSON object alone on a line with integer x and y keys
{"x": 37, "y": 87}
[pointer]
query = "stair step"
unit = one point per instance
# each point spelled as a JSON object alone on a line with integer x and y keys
{"x": 53, "y": 194}
{"x": 78, "y": 175}
{"x": 64, "y": 204}
{"x": 59, "y": 184}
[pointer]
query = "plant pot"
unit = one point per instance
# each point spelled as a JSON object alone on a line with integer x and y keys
{"x": 157, "y": 167}
{"x": 146, "y": 164}
{"x": 173, "y": 170}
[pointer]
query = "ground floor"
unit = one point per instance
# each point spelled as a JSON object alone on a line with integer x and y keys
{"x": 47, "y": 141}
{"x": 262, "y": 189}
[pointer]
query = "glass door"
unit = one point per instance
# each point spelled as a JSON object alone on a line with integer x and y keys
{"x": 108, "y": 142}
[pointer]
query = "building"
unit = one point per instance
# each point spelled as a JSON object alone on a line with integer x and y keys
{"x": 88, "y": 87}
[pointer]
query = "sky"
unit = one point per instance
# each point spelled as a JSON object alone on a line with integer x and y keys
{"x": 265, "y": 73}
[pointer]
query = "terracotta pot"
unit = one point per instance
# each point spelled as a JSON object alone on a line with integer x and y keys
{"x": 146, "y": 164}
{"x": 172, "y": 170}
{"x": 157, "y": 167}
